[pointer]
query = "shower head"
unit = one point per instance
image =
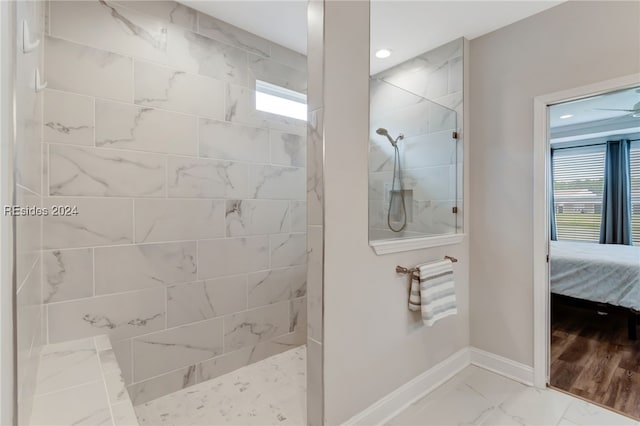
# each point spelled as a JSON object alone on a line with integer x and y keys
{"x": 384, "y": 132}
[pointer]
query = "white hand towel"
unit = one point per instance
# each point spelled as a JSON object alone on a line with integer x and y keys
{"x": 414, "y": 292}
{"x": 437, "y": 291}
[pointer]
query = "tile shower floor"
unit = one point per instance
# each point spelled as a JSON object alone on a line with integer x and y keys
{"x": 270, "y": 392}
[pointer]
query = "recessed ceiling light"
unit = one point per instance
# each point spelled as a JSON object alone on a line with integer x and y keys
{"x": 383, "y": 53}
{"x": 563, "y": 117}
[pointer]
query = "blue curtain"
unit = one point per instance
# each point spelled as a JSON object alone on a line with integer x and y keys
{"x": 616, "y": 199}
{"x": 552, "y": 203}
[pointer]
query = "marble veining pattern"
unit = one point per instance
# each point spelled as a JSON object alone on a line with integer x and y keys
{"x": 272, "y": 391}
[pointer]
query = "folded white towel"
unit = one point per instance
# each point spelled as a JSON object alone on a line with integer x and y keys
{"x": 437, "y": 291}
{"x": 414, "y": 292}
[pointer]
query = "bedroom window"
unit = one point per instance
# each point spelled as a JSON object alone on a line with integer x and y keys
{"x": 635, "y": 192}
{"x": 578, "y": 182}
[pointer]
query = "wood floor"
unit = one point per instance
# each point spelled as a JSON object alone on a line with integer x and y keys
{"x": 592, "y": 357}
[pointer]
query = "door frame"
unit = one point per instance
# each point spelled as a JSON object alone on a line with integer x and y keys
{"x": 541, "y": 168}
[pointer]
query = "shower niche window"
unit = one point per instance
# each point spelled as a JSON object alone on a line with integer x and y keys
{"x": 415, "y": 170}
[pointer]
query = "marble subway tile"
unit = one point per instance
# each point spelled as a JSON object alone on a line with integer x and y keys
{"x": 178, "y": 219}
{"x": 298, "y": 316}
{"x": 255, "y": 217}
{"x": 156, "y": 387}
{"x": 108, "y": 360}
{"x": 120, "y": 315}
{"x": 230, "y": 256}
{"x": 288, "y": 149}
{"x": 123, "y": 351}
{"x": 315, "y": 158}
{"x": 100, "y": 221}
{"x": 125, "y": 268}
{"x": 167, "y": 350}
{"x": 255, "y": 326}
{"x": 88, "y": 71}
{"x": 166, "y": 10}
{"x": 232, "y": 141}
{"x": 289, "y": 57}
{"x": 274, "y": 182}
{"x": 106, "y": 26}
{"x": 288, "y": 250}
{"x": 179, "y": 91}
{"x": 202, "y": 300}
{"x": 198, "y": 178}
{"x": 68, "y": 364}
{"x": 455, "y": 74}
{"x": 68, "y": 274}
{"x": 28, "y": 131}
{"x": 273, "y": 72}
{"x": 68, "y": 118}
{"x": 116, "y": 388}
{"x": 80, "y": 171}
{"x": 28, "y": 228}
{"x": 103, "y": 343}
{"x": 441, "y": 119}
{"x": 234, "y": 36}
{"x": 428, "y": 150}
{"x": 124, "y": 414}
{"x": 315, "y": 283}
{"x": 315, "y": 383}
{"x": 277, "y": 285}
{"x": 86, "y": 404}
{"x": 298, "y": 215}
{"x": 202, "y": 55}
{"x": 127, "y": 126}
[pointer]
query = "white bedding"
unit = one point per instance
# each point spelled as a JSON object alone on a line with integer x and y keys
{"x": 607, "y": 273}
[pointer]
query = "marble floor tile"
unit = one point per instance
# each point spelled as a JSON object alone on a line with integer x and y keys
{"x": 269, "y": 392}
{"x": 86, "y": 405}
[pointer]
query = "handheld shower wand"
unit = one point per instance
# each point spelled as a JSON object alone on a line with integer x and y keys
{"x": 384, "y": 132}
{"x": 397, "y": 171}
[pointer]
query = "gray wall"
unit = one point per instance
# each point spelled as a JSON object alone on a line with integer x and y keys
{"x": 372, "y": 343}
{"x": 570, "y": 45}
{"x": 188, "y": 248}
{"x": 29, "y": 191}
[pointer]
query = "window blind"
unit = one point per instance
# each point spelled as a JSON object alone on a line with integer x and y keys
{"x": 578, "y": 183}
{"x": 635, "y": 192}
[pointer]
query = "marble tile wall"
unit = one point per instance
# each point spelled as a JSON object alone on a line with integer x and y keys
{"x": 431, "y": 159}
{"x": 189, "y": 243}
{"x": 28, "y": 193}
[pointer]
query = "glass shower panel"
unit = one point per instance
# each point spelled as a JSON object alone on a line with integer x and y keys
{"x": 412, "y": 188}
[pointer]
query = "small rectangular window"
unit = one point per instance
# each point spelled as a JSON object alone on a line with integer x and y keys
{"x": 281, "y": 101}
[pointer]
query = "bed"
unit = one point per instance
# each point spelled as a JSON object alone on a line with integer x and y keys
{"x": 599, "y": 273}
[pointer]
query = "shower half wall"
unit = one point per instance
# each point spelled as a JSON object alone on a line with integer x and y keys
{"x": 189, "y": 243}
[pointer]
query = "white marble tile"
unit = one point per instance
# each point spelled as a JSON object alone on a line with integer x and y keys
{"x": 315, "y": 282}
{"x": 298, "y": 316}
{"x": 28, "y": 245}
{"x": 585, "y": 414}
{"x": 68, "y": 274}
{"x": 179, "y": 91}
{"x": 265, "y": 69}
{"x": 178, "y": 219}
{"x": 134, "y": 267}
{"x": 274, "y": 182}
{"x": 68, "y": 118}
{"x": 232, "y": 141}
{"x": 289, "y": 57}
{"x": 531, "y": 406}
{"x": 491, "y": 386}
{"x": 106, "y": 26}
{"x": 298, "y": 215}
{"x": 199, "y": 178}
{"x": 455, "y": 74}
{"x": 168, "y": 350}
{"x": 202, "y": 55}
{"x": 28, "y": 129}
{"x": 88, "y": 71}
{"x": 68, "y": 364}
{"x": 201, "y": 300}
{"x": 100, "y": 221}
{"x": 126, "y": 126}
{"x": 288, "y": 149}
{"x": 441, "y": 119}
{"x": 80, "y": 171}
{"x": 116, "y": 390}
{"x": 108, "y": 360}
{"x": 234, "y": 36}
{"x": 166, "y": 10}
{"x": 315, "y": 158}
{"x": 432, "y": 149}
{"x": 271, "y": 391}
{"x": 119, "y": 315}
{"x": 254, "y": 326}
{"x": 256, "y": 217}
{"x": 123, "y": 351}
{"x": 277, "y": 285}
{"x": 86, "y": 404}
{"x": 315, "y": 386}
{"x": 123, "y": 414}
{"x": 103, "y": 343}
{"x": 288, "y": 250}
{"x": 156, "y": 387}
{"x": 230, "y": 256}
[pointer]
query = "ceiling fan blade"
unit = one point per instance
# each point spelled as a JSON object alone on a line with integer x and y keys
{"x": 615, "y": 109}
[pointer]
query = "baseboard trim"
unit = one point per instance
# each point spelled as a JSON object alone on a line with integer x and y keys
{"x": 504, "y": 366}
{"x": 395, "y": 402}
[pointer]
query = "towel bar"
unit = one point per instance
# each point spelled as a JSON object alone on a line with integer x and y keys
{"x": 404, "y": 270}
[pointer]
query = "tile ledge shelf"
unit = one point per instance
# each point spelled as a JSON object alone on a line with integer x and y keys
{"x": 396, "y": 246}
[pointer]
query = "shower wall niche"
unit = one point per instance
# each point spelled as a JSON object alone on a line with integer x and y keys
{"x": 189, "y": 246}
{"x": 420, "y": 99}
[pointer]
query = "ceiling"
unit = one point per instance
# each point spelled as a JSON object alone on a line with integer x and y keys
{"x": 407, "y": 28}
